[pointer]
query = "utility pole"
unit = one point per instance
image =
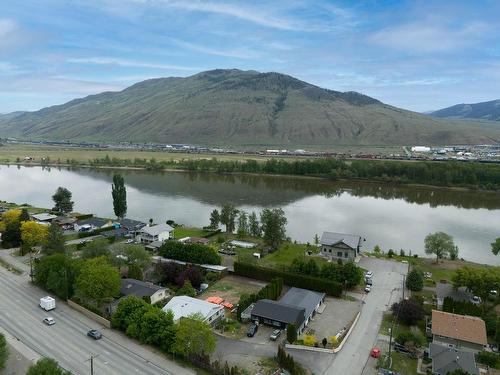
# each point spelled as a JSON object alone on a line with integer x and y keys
{"x": 31, "y": 266}
{"x": 91, "y": 359}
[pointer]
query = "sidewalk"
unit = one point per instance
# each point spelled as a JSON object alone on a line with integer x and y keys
{"x": 20, "y": 356}
{"x": 6, "y": 256}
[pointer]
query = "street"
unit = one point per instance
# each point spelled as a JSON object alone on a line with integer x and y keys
{"x": 66, "y": 341}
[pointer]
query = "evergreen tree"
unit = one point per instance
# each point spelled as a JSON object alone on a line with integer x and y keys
{"x": 228, "y": 216}
{"x": 55, "y": 242}
{"x": 119, "y": 193}
{"x": 415, "y": 280}
{"x": 242, "y": 224}
{"x": 273, "y": 225}
{"x": 214, "y": 219}
{"x": 291, "y": 333}
{"x": 62, "y": 200}
{"x": 25, "y": 216}
{"x": 253, "y": 225}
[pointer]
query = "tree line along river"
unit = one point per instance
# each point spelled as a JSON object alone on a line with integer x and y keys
{"x": 390, "y": 215}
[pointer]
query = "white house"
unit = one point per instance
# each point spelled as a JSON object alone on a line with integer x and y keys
{"x": 159, "y": 232}
{"x": 184, "y": 306}
{"x": 43, "y": 218}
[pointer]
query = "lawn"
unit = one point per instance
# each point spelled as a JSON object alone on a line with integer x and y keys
{"x": 284, "y": 256}
{"x": 444, "y": 270}
{"x": 387, "y": 323}
{"x": 181, "y": 232}
{"x": 404, "y": 364}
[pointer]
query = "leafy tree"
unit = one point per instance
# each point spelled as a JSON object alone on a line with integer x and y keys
{"x": 351, "y": 275}
{"x": 157, "y": 328}
{"x": 214, "y": 219}
{"x": 135, "y": 272}
{"x": 11, "y": 236}
{"x": 228, "y": 216}
{"x": 25, "y": 216}
{"x": 4, "y": 351}
{"x": 488, "y": 358}
{"x": 316, "y": 239}
{"x": 55, "y": 242}
{"x": 57, "y": 273}
{"x": 242, "y": 224}
{"x": 415, "y": 280}
{"x": 194, "y": 337}
{"x": 62, "y": 200}
{"x": 253, "y": 225}
{"x": 96, "y": 248}
{"x": 32, "y": 234}
{"x": 192, "y": 253}
{"x": 46, "y": 366}
{"x": 119, "y": 194}
{"x": 409, "y": 311}
{"x": 131, "y": 255}
{"x": 479, "y": 281}
{"x": 273, "y": 225}
{"x": 377, "y": 249}
{"x": 186, "y": 290}
{"x": 291, "y": 333}
{"x": 98, "y": 281}
{"x": 453, "y": 254}
{"x": 439, "y": 244}
{"x": 126, "y": 307}
{"x": 495, "y": 246}
{"x": 192, "y": 274}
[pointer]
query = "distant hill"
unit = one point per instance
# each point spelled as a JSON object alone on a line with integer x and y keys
{"x": 240, "y": 108}
{"x": 478, "y": 111}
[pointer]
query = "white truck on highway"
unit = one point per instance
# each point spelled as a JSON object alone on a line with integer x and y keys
{"x": 47, "y": 303}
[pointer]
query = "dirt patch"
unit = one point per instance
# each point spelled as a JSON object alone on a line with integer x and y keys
{"x": 230, "y": 288}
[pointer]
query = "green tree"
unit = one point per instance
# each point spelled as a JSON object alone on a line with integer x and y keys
{"x": 351, "y": 275}
{"x": 135, "y": 272}
{"x": 186, "y": 290}
{"x": 96, "y": 248}
{"x": 242, "y": 224}
{"x": 126, "y": 307}
{"x": 439, "y": 244}
{"x": 415, "y": 280}
{"x": 453, "y": 253}
{"x": 46, "y": 366}
{"x": 479, "y": 281}
{"x": 119, "y": 194}
{"x": 214, "y": 219}
{"x": 25, "y": 216}
{"x": 194, "y": 337}
{"x": 316, "y": 239}
{"x": 62, "y": 200}
{"x": 273, "y": 225}
{"x": 32, "y": 234}
{"x": 157, "y": 328}
{"x": 495, "y": 246}
{"x": 131, "y": 255}
{"x": 291, "y": 333}
{"x": 57, "y": 273}
{"x": 97, "y": 282}
{"x": 55, "y": 242}
{"x": 4, "y": 351}
{"x": 253, "y": 225}
{"x": 408, "y": 311}
{"x": 228, "y": 216}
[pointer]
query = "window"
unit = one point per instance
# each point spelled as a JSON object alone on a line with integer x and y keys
{"x": 339, "y": 254}
{"x": 346, "y": 254}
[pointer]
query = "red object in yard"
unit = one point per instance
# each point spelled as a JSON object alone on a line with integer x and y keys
{"x": 228, "y": 305}
{"x": 215, "y": 300}
{"x": 375, "y": 353}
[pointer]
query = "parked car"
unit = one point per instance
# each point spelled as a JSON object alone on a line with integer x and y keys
{"x": 369, "y": 282}
{"x": 49, "y": 321}
{"x": 368, "y": 274}
{"x": 427, "y": 275}
{"x": 130, "y": 240}
{"x": 368, "y": 289}
{"x": 276, "y": 333}
{"x": 252, "y": 330}
{"x": 95, "y": 334}
{"x": 476, "y": 300}
{"x": 493, "y": 293}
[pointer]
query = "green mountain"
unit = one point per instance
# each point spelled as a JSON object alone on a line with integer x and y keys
{"x": 240, "y": 108}
{"x": 480, "y": 111}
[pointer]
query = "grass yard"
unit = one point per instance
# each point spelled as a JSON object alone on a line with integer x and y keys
{"x": 181, "y": 232}
{"x": 444, "y": 270}
{"x": 404, "y": 364}
{"x": 387, "y": 323}
{"x": 284, "y": 256}
{"x": 230, "y": 288}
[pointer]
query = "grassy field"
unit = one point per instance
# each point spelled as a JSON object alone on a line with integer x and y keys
{"x": 31, "y": 210}
{"x": 181, "y": 232}
{"x": 404, "y": 364}
{"x": 285, "y": 255}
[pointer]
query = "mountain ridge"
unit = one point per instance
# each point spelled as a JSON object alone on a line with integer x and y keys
{"x": 489, "y": 110}
{"x": 235, "y": 107}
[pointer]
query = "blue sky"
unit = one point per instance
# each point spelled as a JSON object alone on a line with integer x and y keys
{"x": 419, "y": 55}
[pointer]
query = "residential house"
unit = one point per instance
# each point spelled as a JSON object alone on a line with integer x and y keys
{"x": 132, "y": 226}
{"x": 444, "y": 290}
{"x": 93, "y": 223}
{"x": 447, "y": 359}
{"x": 138, "y": 288}
{"x": 159, "y": 232}
{"x": 43, "y": 218}
{"x": 65, "y": 222}
{"x": 184, "y": 307}
{"x": 458, "y": 331}
{"x": 278, "y": 315}
{"x": 302, "y": 298}
{"x": 340, "y": 246}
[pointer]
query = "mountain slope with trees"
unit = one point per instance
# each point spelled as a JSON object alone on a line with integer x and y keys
{"x": 241, "y": 108}
{"x": 479, "y": 111}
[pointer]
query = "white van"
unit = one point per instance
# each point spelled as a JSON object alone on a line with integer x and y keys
{"x": 47, "y": 303}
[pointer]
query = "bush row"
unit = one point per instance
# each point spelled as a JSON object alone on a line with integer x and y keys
{"x": 270, "y": 291}
{"x": 192, "y": 253}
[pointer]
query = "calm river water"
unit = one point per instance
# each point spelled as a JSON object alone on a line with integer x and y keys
{"x": 392, "y": 216}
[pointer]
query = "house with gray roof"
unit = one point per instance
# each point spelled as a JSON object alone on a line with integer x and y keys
{"x": 340, "y": 246}
{"x": 302, "y": 298}
{"x": 278, "y": 314}
{"x": 447, "y": 359}
{"x": 141, "y": 289}
{"x": 444, "y": 290}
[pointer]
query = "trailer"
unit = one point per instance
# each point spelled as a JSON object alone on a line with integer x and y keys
{"x": 47, "y": 303}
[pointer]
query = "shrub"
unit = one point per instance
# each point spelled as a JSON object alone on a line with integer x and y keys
{"x": 4, "y": 351}
{"x": 415, "y": 280}
{"x": 489, "y": 359}
{"x": 391, "y": 253}
{"x": 309, "y": 340}
{"x": 192, "y": 253}
{"x": 291, "y": 333}
{"x": 408, "y": 312}
{"x": 408, "y": 337}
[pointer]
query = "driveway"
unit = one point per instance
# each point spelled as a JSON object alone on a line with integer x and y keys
{"x": 66, "y": 341}
{"x": 387, "y": 289}
{"x": 83, "y": 240}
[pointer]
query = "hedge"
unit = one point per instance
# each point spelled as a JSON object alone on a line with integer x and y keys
{"x": 95, "y": 232}
{"x": 192, "y": 253}
{"x": 330, "y": 287}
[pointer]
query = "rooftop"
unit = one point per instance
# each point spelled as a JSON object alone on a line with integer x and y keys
{"x": 279, "y": 311}
{"x": 446, "y": 360}
{"x": 43, "y": 216}
{"x": 157, "y": 229}
{"x": 461, "y": 327}
{"x": 138, "y": 288}
{"x": 331, "y": 238}
{"x": 184, "y": 306}
{"x": 303, "y": 298}
{"x": 444, "y": 290}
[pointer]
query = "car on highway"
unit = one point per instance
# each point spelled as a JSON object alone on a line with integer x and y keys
{"x": 275, "y": 334}
{"x": 49, "y": 321}
{"x": 252, "y": 330}
{"x": 95, "y": 334}
{"x": 368, "y": 289}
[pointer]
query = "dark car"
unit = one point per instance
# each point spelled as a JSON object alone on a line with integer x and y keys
{"x": 252, "y": 330}
{"x": 95, "y": 334}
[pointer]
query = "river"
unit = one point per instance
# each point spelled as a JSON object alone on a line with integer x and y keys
{"x": 392, "y": 216}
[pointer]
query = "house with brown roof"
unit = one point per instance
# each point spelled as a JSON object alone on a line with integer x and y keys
{"x": 459, "y": 331}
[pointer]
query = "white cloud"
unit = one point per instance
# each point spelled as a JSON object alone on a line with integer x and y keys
{"x": 429, "y": 37}
{"x": 240, "y": 53}
{"x": 129, "y": 63}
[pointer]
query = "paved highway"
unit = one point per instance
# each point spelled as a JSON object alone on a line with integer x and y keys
{"x": 66, "y": 341}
